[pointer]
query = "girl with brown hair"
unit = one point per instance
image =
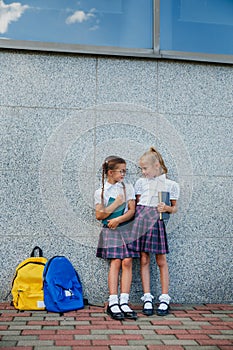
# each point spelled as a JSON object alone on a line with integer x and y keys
{"x": 115, "y": 207}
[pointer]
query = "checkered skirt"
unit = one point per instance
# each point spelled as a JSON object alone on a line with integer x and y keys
{"x": 113, "y": 244}
{"x": 148, "y": 232}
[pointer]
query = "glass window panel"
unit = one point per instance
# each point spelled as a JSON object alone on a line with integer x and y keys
{"x": 204, "y": 26}
{"x": 119, "y": 23}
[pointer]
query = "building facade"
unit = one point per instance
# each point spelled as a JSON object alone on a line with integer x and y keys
{"x": 62, "y": 113}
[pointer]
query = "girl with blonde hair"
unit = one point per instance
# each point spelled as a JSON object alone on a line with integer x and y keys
{"x": 149, "y": 238}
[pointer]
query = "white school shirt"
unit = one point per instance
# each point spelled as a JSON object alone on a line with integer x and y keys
{"x": 113, "y": 191}
{"x": 148, "y": 189}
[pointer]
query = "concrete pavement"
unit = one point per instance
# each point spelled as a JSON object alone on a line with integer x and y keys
{"x": 188, "y": 327}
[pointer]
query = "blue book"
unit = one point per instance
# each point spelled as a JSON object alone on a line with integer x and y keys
{"x": 166, "y": 199}
{"x": 118, "y": 212}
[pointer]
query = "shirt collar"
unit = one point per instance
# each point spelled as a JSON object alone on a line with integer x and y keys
{"x": 158, "y": 178}
{"x": 107, "y": 185}
{"x": 162, "y": 177}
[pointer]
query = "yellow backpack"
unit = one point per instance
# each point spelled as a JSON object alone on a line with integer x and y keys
{"x": 27, "y": 284}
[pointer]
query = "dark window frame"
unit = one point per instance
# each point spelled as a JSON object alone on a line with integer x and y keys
{"x": 155, "y": 52}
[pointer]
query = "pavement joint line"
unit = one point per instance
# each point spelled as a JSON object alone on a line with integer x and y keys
{"x": 187, "y": 327}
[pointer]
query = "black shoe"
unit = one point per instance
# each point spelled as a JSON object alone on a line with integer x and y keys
{"x": 161, "y": 312}
{"x": 115, "y": 315}
{"x": 148, "y": 312}
{"x": 129, "y": 314}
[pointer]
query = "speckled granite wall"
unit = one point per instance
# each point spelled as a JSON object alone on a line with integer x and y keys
{"x": 61, "y": 115}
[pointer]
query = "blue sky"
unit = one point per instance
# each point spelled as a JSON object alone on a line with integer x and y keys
{"x": 122, "y": 23}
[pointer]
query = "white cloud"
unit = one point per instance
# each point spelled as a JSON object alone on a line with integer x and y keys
{"x": 80, "y": 16}
{"x": 94, "y": 28}
{"x": 10, "y": 13}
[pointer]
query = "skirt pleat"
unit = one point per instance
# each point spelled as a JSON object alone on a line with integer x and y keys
{"x": 113, "y": 244}
{"x": 148, "y": 232}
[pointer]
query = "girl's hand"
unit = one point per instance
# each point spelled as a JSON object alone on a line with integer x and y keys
{"x": 113, "y": 223}
{"x": 162, "y": 208}
{"x": 119, "y": 200}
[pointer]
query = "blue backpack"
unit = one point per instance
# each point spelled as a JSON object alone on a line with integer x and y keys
{"x": 62, "y": 286}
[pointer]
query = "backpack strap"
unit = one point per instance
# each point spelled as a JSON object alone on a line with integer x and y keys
{"x": 34, "y": 250}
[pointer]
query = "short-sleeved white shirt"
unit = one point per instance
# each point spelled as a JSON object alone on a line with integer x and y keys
{"x": 113, "y": 191}
{"x": 148, "y": 189}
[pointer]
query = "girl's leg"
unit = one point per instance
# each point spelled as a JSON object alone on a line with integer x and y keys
{"x": 126, "y": 280}
{"x": 126, "y": 275}
{"x": 145, "y": 271}
{"x": 145, "y": 277}
{"x": 163, "y": 269}
{"x": 113, "y": 279}
{"x": 113, "y": 276}
{"x": 164, "y": 280}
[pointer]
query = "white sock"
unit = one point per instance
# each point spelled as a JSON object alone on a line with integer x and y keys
{"x": 166, "y": 299}
{"x": 147, "y": 297}
{"x": 113, "y": 299}
{"x": 124, "y": 299}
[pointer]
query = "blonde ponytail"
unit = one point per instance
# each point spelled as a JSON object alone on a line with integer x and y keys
{"x": 155, "y": 157}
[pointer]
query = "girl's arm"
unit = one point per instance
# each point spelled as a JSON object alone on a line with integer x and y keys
{"x": 113, "y": 223}
{"x": 171, "y": 209}
{"x": 102, "y": 212}
{"x": 137, "y": 198}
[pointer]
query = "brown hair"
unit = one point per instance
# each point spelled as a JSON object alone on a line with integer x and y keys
{"x": 155, "y": 156}
{"x": 110, "y": 163}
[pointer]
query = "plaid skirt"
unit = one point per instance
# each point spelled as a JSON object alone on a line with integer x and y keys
{"x": 113, "y": 244}
{"x": 148, "y": 232}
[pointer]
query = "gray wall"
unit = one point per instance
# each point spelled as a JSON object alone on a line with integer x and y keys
{"x": 61, "y": 115}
